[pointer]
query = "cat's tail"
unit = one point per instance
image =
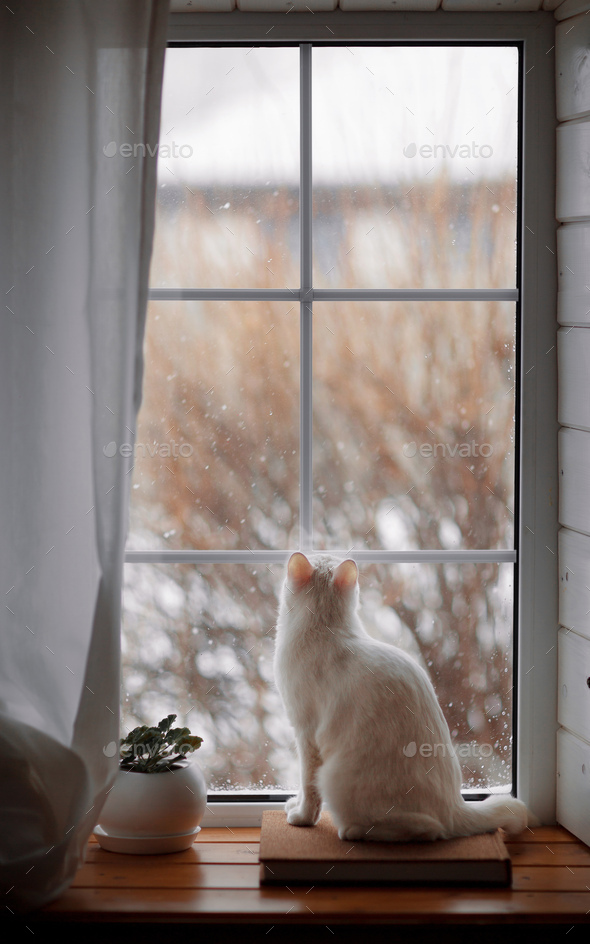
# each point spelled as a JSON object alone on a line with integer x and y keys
{"x": 399, "y": 827}
{"x": 468, "y": 819}
{"x": 487, "y": 815}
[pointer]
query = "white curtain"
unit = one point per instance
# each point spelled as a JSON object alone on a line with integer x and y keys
{"x": 79, "y": 79}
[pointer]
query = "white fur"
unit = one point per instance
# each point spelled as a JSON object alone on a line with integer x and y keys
{"x": 355, "y": 703}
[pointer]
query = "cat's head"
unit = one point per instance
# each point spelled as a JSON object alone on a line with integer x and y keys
{"x": 322, "y": 584}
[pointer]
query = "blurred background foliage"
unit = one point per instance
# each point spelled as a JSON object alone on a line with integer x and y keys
{"x": 405, "y": 394}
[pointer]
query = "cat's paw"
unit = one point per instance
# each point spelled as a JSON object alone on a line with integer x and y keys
{"x": 291, "y": 803}
{"x": 353, "y": 833}
{"x": 297, "y": 817}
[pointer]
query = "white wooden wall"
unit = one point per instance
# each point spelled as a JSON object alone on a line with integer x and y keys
{"x": 316, "y": 6}
{"x": 572, "y": 47}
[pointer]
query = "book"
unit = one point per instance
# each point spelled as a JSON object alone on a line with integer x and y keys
{"x": 314, "y": 854}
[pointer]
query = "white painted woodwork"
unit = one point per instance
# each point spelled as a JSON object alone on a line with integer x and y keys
{"x": 573, "y": 370}
{"x": 574, "y": 479}
{"x": 572, "y": 92}
{"x": 572, "y": 67}
{"x": 573, "y": 678}
{"x": 571, "y": 8}
{"x": 573, "y": 255}
{"x": 394, "y": 5}
{"x": 497, "y": 6}
{"x": 573, "y": 171}
{"x": 202, "y": 6}
{"x": 574, "y": 581}
{"x": 285, "y": 6}
{"x": 278, "y": 6}
{"x": 573, "y": 784}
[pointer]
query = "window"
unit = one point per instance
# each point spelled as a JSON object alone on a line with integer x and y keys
{"x": 332, "y": 362}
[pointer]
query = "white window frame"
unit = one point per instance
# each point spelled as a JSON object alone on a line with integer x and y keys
{"x": 536, "y": 543}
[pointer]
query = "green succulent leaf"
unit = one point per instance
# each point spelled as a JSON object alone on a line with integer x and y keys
{"x": 155, "y": 749}
{"x": 166, "y": 722}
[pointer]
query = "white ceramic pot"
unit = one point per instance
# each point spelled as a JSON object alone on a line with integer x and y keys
{"x": 151, "y": 813}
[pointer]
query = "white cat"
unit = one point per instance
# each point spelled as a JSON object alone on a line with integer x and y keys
{"x": 355, "y": 703}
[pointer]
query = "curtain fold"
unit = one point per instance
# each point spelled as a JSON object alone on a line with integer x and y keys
{"x": 81, "y": 84}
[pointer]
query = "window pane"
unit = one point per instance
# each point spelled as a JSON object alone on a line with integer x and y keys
{"x": 414, "y": 167}
{"x": 227, "y": 213}
{"x": 202, "y": 639}
{"x": 199, "y": 643}
{"x": 414, "y": 425}
{"x": 217, "y": 452}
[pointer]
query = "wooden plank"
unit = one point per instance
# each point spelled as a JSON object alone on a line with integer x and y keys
{"x": 497, "y": 6}
{"x": 414, "y": 905}
{"x": 232, "y": 853}
{"x": 573, "y": 784}
{"x": 252, "y": 835}
{"x": 540, "y": 878}
{"x": 573, "y": 274}
{"x": 573, "y": 360}
{"x": 538, "y": 853}
{"x": 275, "y": 6}
{"x": 399, "y": 5}
{"x": 573, "y": 678}
{"x": 158, "y": 874}
{"x": 526, "y": 878}
{"x": 238, "y": 852}
{"x": 550, "y": 834}
{"x": 572, "y": 73}
{"x": 227, "y": 834}
{"x": 202, "y": 6}
{"x": 574, "y": 581}
{"x": 574, "y": 478}
{"x": 573, "y": 188}
{"x": 571, "y": 8}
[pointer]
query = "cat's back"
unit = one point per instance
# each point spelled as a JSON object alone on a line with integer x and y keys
{"x": 382, "y": 668}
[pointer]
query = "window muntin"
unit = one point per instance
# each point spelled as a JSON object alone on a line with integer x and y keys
{"x": 425, "y": 275}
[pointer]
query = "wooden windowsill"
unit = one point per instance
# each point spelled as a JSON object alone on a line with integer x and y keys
{"x": 216, "y": 881}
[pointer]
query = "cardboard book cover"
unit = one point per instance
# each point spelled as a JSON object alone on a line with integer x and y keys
{"x": 316, "y": 854}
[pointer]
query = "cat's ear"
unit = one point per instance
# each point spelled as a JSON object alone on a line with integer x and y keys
{"x": 299, "y": 569}
{"x": 346, "y": 575}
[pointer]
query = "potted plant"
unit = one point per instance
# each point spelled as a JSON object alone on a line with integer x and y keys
{"x": 159, "y": 797}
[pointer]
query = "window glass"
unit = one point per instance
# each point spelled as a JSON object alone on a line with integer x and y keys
{"x": 198, "y": 642}
{"x": 414, "y": 425}
{"x": 227, "y": 211}
{"x": 414, "y": 166}
{"x": 216, "y": 458}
